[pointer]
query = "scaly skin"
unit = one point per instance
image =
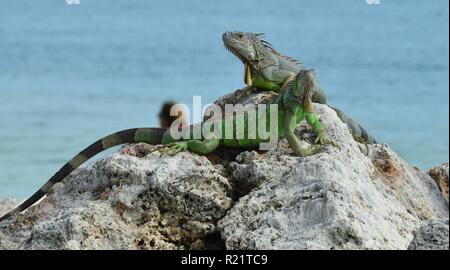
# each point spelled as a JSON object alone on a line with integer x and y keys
{"x": 268, "y": 70}
{"x": 294, "y": 105}
{"x": 136, "y": 135}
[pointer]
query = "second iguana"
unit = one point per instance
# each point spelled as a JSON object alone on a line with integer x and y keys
{"x": 267, "y": 69}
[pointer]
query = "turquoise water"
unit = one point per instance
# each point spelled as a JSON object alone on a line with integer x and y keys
{"x": 70, "y": 74}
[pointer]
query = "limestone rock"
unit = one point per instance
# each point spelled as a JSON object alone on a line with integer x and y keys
{"x": 338, "y": 199}
{"x": 431, "y": 236}
{"x": 440, "y": 176}
{"x": 7, "y": 205}
{"x": 126, "y": 202}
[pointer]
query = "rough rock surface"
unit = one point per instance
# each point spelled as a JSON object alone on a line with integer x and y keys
{"x": 440, "y": 176}
{"x": 7, "y": 205}
{"x": 340, "y": 198}
{"x": 126, "y": 202}
{"x": 431, "y": 236}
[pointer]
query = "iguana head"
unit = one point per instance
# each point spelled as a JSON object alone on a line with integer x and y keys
{"x": 255, "y": 53}
{"x": 306, "y": 76}
{"x": 251, "y": 49}
{"x": 246, "y": 46}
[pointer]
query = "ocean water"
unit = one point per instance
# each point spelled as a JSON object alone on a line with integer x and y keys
{"x": 70, "y": 74}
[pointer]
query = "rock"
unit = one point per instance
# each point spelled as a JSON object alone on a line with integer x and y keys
{"x": 7, "y": 205}
{"x": 254, "y": 97}
{"x": 126, "y": 202}
{"x": 440, "y": 176}
{"x": 340, "y": 198}
{"x": 431, "y": 236}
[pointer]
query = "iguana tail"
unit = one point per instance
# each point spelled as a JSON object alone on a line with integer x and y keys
{"x": 146, "y": 135}
{"x": 359, "y": 133}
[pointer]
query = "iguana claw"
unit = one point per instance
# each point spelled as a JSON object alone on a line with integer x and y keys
{"x": 172, "y": 149}
{"x": 334, "y": 144}
{"x": 323, "y": 139}
{"x": 268, "y": 97}
{"x": 241, "y": 93}
{"x": 309, "y": 151}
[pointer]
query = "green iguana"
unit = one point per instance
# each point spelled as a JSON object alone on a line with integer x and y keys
{"x": 267, "y": 69}
{"x": 293, "y": 105}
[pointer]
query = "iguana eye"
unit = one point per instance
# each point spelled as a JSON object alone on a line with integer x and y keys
{"x": 240, "y": 35}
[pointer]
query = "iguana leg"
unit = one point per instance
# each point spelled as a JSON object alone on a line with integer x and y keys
{"x": 294, "y": 142}
{"x": 321, "y": 136}
{"x": 268, "y": 97}
{"x": 271, "y": 96}
{"x": 173, "y": 148}
{"x": 319, "y": 130}
{"x": 204, "y": 146}
{"x": 196, "y": 146}
{"x": 246, "y": 91}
